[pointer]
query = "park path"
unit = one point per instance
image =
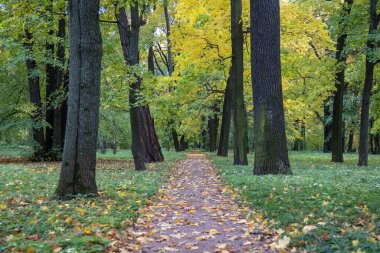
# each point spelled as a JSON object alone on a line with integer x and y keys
{"x": 194, "y": 213}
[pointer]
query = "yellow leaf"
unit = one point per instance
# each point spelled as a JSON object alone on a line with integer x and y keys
{"x": 283, "y": 243}
{"x": 44, "y": 208}
{"x": 3, "y": 206}
{"x": 68, "y": 220}
{"x": 355, "y": 242}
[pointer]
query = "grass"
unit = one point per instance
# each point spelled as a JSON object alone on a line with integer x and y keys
{"x": 14, "y": 151}
{"x": 31, "y": 221}
{"x": 340, "y": 203}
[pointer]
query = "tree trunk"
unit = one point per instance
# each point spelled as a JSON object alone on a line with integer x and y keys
{"x": 61, "y": 111}
{"x": 79, "y": 155}
{"x": 152, "y": 148}
{"x": 149, "y": 140}
{"x": 129, "y": 38}
{"x": 213, "y": 123}
{"x": 54, "y": 82}
{"x": 114, "y": 147}
{"x": 376, "y": 144}
{"x": 35, "y": 99}
{"x": 341, "y": 57}
{"x": 176, "y": 140}
{"x": 327, "y": 130}
{"x": 226, "y": 121}
{"x": 102, "y": 145}
{"x": 170, "y": 70}
{"x": 271, "y": 151}
{"x": 350, "y": 147}
{"x": 182, "y": 143}
{"x": 238, "y": 107}
{"x": 368, "y": 84}
{"x": 169, "y": 44}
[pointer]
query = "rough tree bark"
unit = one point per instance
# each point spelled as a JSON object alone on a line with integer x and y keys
{"x": 151, "y": 145}
{"x": 341, "y": 57}
{"x": 271, "y": 151}
{"x": 35, "y": 98}
{"x": 368, "y": 84}
{"x": 238, "y": 107}
{"x": 149, "y": 140}
{"x": 226, "y": 121}
{"x": 129, "y": 38}
{"x": 79, "y": 154}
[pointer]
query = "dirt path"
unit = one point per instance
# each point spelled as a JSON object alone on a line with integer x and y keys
{"x": 194, "y": 214}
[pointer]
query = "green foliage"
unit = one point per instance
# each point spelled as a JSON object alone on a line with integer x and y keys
{"x": 31, "y": 221}
{"x": 341, "y": 201}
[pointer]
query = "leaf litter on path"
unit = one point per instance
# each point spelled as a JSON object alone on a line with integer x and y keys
{"x": 194, "y": 213}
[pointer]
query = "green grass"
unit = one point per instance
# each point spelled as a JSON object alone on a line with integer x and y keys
{"x": 341, "y": 200}
{"x": 15, "y": 151}
{"x": 30, "y": 220}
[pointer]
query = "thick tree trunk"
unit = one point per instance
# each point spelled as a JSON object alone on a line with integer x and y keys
{"x": 79, "y": 155}
{"x": 327, "y": 130}
{"x": 35, "y": 99}
{"x": 238, "y": 107}
{"x": 129, "y": 38}
{"x": 271, "y": 151}
{"x": 149, "y": 141}
{"x": 135, "y": 117}
{"x": 226, "y": 121}
{"x": 341, "y": 57}
{"x": 368, "y": 84}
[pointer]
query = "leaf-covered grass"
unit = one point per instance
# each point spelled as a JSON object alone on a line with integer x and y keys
{"x": 30, "y": 220}
{"x": 339, "y": 203}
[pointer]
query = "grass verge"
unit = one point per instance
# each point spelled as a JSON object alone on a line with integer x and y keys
{"x": 30, "y": 221}
{"x": 323, "y": 207}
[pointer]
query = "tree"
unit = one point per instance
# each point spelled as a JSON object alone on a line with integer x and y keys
{"x": 226, "y": 122}
{"x": 237, "y": 68}
{"x": 79, "y": 155}
{"x": 341, "y": 57}
{"x": 149, "y": 140}
{"x": 129, "y": 38}
{"x": 368, "y": 83}
{"x": 149, "y": 146}
{"x": 35, "y": 98}
{"x": 271, "y": 152}
{"x": 55, "y": 88}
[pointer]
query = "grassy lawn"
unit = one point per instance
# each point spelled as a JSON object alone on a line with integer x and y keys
{"x": 323, "y": 207}
{"x": 31, "y": 221}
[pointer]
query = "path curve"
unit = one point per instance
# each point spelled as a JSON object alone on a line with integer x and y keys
{"x": 194, "y": 213}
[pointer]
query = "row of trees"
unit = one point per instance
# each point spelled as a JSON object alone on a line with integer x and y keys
{"x": 189, "y": 64}
{"x": 79, "y": 156}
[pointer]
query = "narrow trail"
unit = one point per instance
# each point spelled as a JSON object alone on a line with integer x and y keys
{"x": 195, "y": 214}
